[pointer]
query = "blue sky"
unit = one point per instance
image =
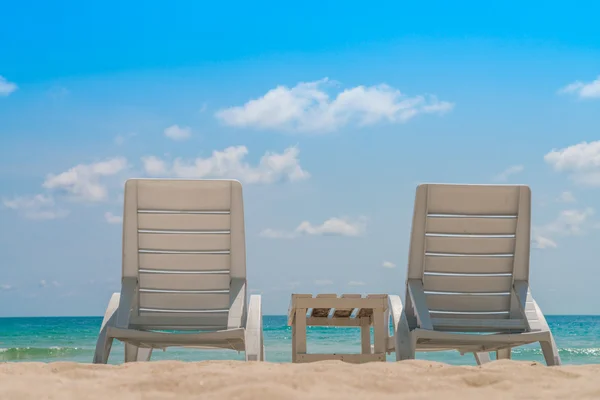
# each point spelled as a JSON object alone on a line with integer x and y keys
{"x": 330, "y": 113}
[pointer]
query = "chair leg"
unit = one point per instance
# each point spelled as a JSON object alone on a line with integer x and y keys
{"x": 134, "y": 353}
{"x": 253, "y": 336}
{"x": 104, "y": 342}
{"x": 130, "y": 352}
{"x": 548, "y": 346}
{"x": 550, "y": 352}
{"x": 405, "y": 340}
{"x": 262, "y": 346}
{"x": 103, "y": 346}
{"x": 482, "y": 357}
{"x": 144, "y": 354}
{"x": 504, "y": 354}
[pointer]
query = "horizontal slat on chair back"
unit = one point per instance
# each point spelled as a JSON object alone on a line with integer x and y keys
{"x": 184, "y": 195}
{"x": 473, "y": 199}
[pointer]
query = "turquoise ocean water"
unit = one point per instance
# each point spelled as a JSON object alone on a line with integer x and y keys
{"x": 74, "y": 339}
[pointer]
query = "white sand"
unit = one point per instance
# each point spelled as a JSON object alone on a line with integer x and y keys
{"x": 324, "y": 380}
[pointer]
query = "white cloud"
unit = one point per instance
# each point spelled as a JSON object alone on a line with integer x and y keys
{"x": 507, "y": 173}
{"x": 307, "y": 107}
{"x": 275, "y": 234}
{"x": 6, "y": 287}
{"x": 570, "y": 222}
{"x": 323, "y": 282}
{"x": 154, "y": 166}
{"x": 580, "y": 156}
{"x": 334, "y": 227}
{"x": 6, "y": 87}
{"x": 176, "y": 132}
{"x": 331, "y": 227}
{"x": 112, "y": 219}
{"x": 541, "y": 242}
{"x": 82, "y": 182}
{"x": 356, "y": 283}
{"x": 43, "y": 283}
{"x": 583, "y": 90}
{"x": 229, "y": 163}
{"x": 388, "y": 264}
{"x": 38, "y": 207}
{"x": 567, "y": 223}
{"x": 581, "y": 161}
{"x": 566, "y": 197}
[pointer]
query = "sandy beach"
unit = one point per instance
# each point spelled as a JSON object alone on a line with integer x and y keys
{"x": 324, "y": 380}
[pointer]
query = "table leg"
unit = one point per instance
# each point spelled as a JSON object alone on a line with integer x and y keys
{"x": 379, "y": 331}
{"x": 294, "y": 349}
{"x": 299, "y": 334}
{"x": 365, "y": 335}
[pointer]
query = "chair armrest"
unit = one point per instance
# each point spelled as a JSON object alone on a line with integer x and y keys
{"x": 254, "y": 341}
{"x": 128, "y": 293}
{"x": 417, "y": 297}
{"x": 238, "y": 305}
{"x": 395, "y": 308}
{"x": 528, "y": 307}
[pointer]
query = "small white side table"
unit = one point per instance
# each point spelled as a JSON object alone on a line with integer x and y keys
{"x": 348, "y": 310}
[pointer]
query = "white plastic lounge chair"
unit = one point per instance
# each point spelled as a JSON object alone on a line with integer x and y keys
{"x": 468, "y": 272}
{"x": 184, "y": 269}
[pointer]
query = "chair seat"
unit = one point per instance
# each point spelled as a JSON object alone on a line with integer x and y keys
{"x": 226, "y": 339}
{"x": 465, "y": 342}
{"x": 479, "y": 325}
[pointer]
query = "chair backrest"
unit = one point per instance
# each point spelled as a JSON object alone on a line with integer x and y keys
{"x": 184, "y": 241}
{"x": 469, "y": 243}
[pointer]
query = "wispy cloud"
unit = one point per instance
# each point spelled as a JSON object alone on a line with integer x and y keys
{"x": 388, "y": 264}
{"x": 334, "y": 227}
{"x": 568, "y": 223}
{"x": 323, "y": 282}
{"x": 112, "y": 218}
{"x": 542, "y": 242}
{"x": 230, "y": 163}
{"x": 566, "y": 197}
{"x": 176, "y": 132}
{"x": 275, "y": 234}
{"x": 121, "y": 139}
{"x": 83, "y": 182}
{"x": 38, "y": 207}
{"x": 584, "y": 90}
{"x": 5, "y": 287}
{"x": 6, "y": 87}
{"x": 356, "y": 283}
{"x": 330, "y": 227}
{"x": 43, "y": 283}
{"x": 508, "y": 172}
{"x": 581, "y": 161}
{"x": 307, "y": 107}
{"x": 155, "y": 166}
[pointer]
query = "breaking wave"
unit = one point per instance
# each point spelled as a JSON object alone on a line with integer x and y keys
{"x": 38, "y": 353}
